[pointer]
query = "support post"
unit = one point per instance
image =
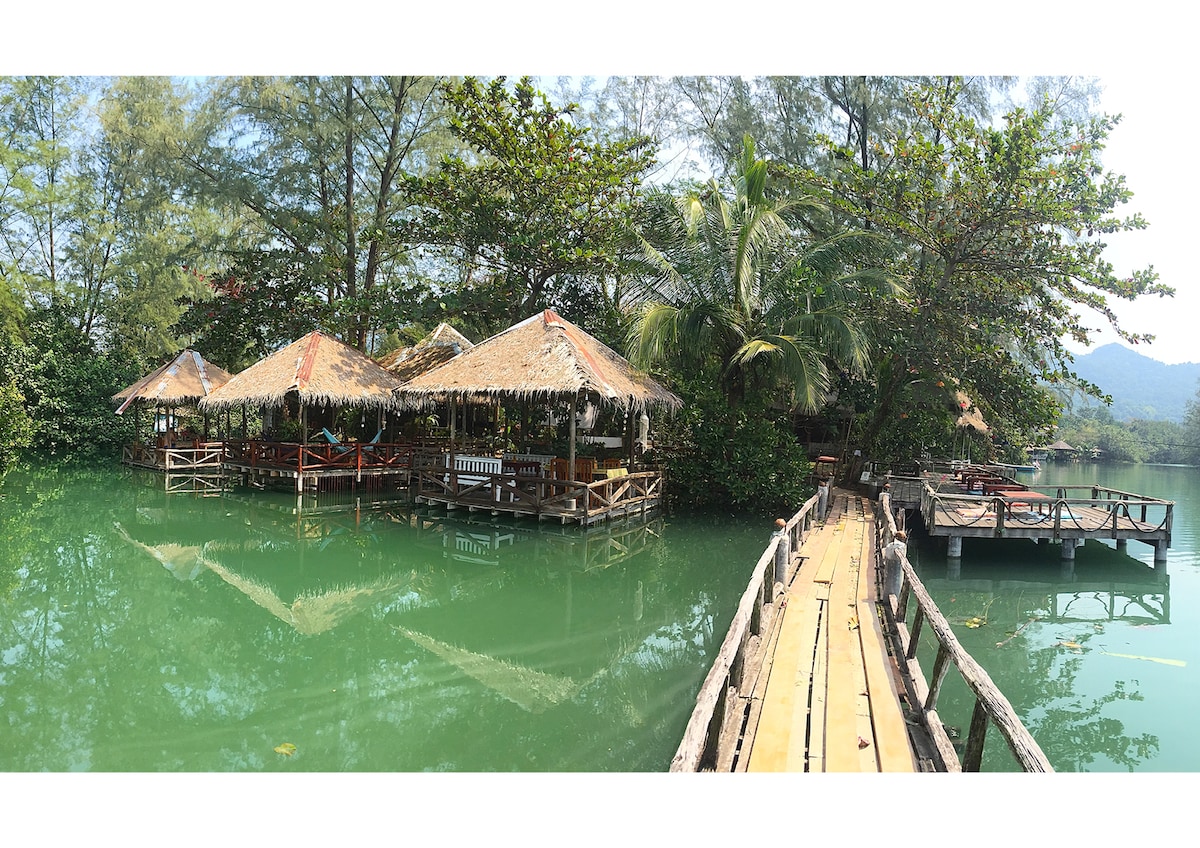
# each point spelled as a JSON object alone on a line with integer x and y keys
{"x": 954, "y": 546}
{"x": 1068, "y": 548}
{"x": 1160, "y": 551}
{"x": 781, "y": 551}
{"x": 1122, "y": 544}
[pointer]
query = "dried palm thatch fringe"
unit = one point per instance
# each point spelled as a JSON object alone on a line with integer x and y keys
{"x": 184, "y": 380}
{"x": 544, "y": 357}
{"x": 320, "y": 369}
{"x": 443, "y": 344}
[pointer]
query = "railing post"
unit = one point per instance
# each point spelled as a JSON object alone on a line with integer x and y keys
{"x": 940, "y": 666}
{"x": 915, "y": 632}
{"x": 781, "y": 551}
{"x": 973, "y": 755}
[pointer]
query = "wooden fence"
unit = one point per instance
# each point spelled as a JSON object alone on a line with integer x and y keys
{"x": 700, "y": 749}
{"x": 991, "y": 707}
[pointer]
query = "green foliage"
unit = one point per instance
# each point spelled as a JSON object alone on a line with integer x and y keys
{"x": 1001, "y": 230}
{"x": 536, "y": 200}
{"x": 1130, "y": 441}
{"x": 68, "y": 387}
{"x": 735, "y": 285}
{"x": 742, "y": 458}
{"x": 16, "y": 428}
{"x": 312, "y": 167}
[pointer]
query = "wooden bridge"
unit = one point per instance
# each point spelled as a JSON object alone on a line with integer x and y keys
{"x": 818, "y": 672}
{"x": 829, "y": 694}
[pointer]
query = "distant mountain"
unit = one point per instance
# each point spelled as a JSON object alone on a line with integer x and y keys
{"x": 1141, "y": 387}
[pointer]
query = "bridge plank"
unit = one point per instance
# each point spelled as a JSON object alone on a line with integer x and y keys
{"x": 842, "y": 720}
{"x": 893, "y": 750}
{"x": 780, "y": 739}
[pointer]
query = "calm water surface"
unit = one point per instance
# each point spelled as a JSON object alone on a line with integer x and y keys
{"x": 145, "y": 632}
{"x": 1102, "y": 660}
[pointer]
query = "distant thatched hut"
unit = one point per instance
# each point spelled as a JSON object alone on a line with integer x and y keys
{"x": 442, "y": 345}
{"x": 321, "y": 375}
{"x": 544, "y": 358}
{"x": 183, "y": 381}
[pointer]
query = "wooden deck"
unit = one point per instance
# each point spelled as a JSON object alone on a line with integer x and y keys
{"x": 828, "y": 688}
{"x": 975, "y": 503}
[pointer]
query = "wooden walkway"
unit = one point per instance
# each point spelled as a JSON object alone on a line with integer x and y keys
{"x": 828, "y": 688}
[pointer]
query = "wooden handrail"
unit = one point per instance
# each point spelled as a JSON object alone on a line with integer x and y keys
{"x": 990, "y": 705}
{"x": 699, "y": 749}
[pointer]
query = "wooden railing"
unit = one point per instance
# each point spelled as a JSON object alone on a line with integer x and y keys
{"x": 991, "y": 707}
{"x": 700, "y": 748}
{"x": 189, "y": 456}
{"x": 1010, "y": 507}
{"x": 293, "y": 456}
{"x": 472, "y": 484}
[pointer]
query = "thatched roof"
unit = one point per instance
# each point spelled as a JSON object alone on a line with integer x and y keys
{"x": 970, "y": 416}
{"x": 542, "y": 357}
{"x": 443, "y": 344}
{"x": 184, "y": 380}
{"x": 320, "y": 369}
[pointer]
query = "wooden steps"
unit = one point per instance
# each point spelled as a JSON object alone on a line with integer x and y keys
{"x": 830, "y": 701}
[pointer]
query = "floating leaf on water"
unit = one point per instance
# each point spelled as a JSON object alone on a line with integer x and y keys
{"x": 1177, "y": 663}
{"x": 974, "y": 621}
{"x": 287, "y": 749}
{"x": 1074, "y": 646}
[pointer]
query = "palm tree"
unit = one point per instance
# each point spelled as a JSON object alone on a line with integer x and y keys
{"x": 744, "y": 281}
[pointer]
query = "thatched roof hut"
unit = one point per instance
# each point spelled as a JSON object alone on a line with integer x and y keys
{"x": 543, "y": 358}
{"x": 184, "y": 380}
{"x": 318, "y": 369}
{"x": 442, "y": 345}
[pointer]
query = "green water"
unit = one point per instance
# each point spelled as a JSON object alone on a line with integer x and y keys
{"x": 146, "y": 632}
{"x": 1100, "y": 660}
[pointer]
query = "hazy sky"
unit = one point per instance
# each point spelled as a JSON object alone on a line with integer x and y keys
{"x": 1150, "y": 147}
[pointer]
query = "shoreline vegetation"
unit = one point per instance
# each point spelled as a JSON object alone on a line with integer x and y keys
{"x": 886, "y": 267}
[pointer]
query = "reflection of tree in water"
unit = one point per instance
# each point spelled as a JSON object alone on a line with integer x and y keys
{"x": 1040, "y": 682}
{"x": 1070, "y": 727}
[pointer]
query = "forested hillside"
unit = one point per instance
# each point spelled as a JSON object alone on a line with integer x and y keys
{"x": 1140, "y": 387}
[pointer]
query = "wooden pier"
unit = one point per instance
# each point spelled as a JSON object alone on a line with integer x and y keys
{"x": 979, "y": 502}
{"x": 190, "y": 468}
{"x": 819, "y": 669}
{"x": 830, "y": 700}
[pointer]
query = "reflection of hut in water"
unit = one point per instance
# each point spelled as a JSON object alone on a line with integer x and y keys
{"x": 531, "y": 648}
{"x": 511, "y": 542}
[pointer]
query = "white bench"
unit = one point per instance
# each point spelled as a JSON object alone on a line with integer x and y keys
{"x": 479, "y": 470}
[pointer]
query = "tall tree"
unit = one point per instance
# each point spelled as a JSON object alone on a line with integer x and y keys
{"x": 93, "y": 223}
{"x": 1002, "y": 230}
{"x": 740, "y": 283}
{"x": 536, "y": 202}
{"x": 319, "y": 163}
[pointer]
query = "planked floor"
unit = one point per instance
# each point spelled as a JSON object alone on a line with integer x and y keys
{"x": 829, "y": 695}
